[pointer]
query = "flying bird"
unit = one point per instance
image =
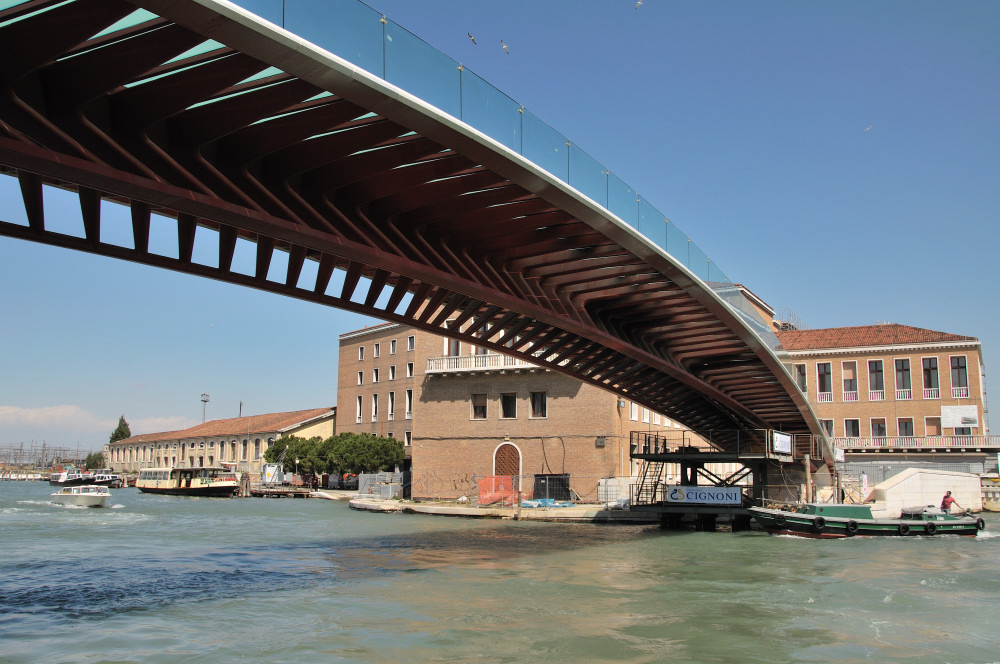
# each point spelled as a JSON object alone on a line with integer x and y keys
{"x": 471, "y": 37}
{"x": 868, "y": 128}
{"x": 638, "y": 4}
{"x": 505, "y": 49}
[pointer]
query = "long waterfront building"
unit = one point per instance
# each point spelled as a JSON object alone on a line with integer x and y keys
{"x": 240, "y": 440}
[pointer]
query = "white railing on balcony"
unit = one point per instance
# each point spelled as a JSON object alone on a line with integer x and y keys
{"x": 917, "y": 442}
{"x": 824, "y": 397}
{"x": 959, "y": 393}
{"x": 904, "y": 395}
{"x": 490, "y": 362}
{"x": 850, "y": 396}
{"x": 932, "y": 393}
{"x": 876, "y": 395}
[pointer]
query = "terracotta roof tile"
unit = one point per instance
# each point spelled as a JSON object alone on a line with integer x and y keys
{"x": 238, "y": 425}
{"x": 887, "y": 334}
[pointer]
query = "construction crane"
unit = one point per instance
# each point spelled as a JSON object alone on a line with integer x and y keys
{"x": 274, "y": 473}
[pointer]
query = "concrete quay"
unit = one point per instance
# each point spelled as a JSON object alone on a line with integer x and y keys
{"x": 585, "y": 513}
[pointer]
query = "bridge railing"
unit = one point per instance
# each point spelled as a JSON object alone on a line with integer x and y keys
{"x": 364, "y": 37}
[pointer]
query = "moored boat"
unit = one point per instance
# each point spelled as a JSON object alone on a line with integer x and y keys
{"x": 70, "y": 478}
{"x": 87, "y": 495}
{"x": 823, "y": 520}
{"x": 195, "y": 481}
{"x": 108, "y": 480}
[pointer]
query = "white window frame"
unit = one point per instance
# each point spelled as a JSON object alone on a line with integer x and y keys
{"x": 804, "y": 374}
{"x": 958, "y": 392}
{"x": 931, "y": 392}
{"x": 824, "y": 397}
{"x": 902, "y": 394}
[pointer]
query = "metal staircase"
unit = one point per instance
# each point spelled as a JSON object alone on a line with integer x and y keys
{"x": 650, "y": 474}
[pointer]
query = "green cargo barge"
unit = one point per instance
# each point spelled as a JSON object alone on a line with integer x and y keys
{"x": 821, "y": 520}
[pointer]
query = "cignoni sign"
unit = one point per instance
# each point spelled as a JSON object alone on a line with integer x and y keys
{"x": 705, "y": 495}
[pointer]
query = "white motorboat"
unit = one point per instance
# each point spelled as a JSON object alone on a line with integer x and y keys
{"x": 88, "y": 495}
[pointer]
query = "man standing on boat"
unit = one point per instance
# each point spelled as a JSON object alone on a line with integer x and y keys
{"x": 947, "y": 502}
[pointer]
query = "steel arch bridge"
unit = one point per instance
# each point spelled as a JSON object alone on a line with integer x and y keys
{"x": 404, "y": 212}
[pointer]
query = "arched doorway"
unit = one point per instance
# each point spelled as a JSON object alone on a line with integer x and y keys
{"x": 507, "y": 461}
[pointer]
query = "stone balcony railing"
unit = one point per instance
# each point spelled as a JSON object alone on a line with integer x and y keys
{"x": 478, "y": 363}
{"x": 925, "y": 443}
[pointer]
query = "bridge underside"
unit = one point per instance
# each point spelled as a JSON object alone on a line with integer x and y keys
{"x": 397, "y": 211}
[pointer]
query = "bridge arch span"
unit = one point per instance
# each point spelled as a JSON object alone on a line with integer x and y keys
{"x": 420, "y": 218}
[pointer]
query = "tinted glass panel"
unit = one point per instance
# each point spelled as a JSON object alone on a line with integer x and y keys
{"x": 623, "y": 201}
{"x": 652, "y": 223}
{"x": 544, "y": 145}
{"x": 421, "y": 69}
{"x": 490, "y": 111}
{"x": 587, "y": 175}
{"x": 344, "y": 27}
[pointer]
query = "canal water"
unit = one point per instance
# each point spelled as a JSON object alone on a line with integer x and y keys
{"x": 168, "y": 579}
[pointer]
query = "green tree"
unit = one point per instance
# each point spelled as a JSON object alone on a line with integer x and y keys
{"x": 306, "y": 450}
{"x": 360, "y": 453}
{"x": 122, "y": 431}
{"x": 344, "y": 453}
{"x": 94, "y": 460}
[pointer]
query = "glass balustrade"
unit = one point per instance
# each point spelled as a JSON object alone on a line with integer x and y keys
{"x": 364, "y": 37}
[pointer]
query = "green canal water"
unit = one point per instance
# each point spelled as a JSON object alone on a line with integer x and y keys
{"x": 168, "y": 579}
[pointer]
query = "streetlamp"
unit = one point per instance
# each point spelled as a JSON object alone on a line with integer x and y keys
{"x": 204, "y": 403}
{"x": 296, "y": 466}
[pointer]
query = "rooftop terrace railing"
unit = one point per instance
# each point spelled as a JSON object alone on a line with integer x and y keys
{"x": 956, "y": 442}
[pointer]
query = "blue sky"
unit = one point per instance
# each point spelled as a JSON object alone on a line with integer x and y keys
{"x": 840, "y": 159}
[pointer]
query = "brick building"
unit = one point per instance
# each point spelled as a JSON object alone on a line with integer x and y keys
{"x": 891, "y": 387}
{"x": 465, "y": 412}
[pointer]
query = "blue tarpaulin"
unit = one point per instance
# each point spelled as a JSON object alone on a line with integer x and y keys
{"x": 544, "y": 502}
